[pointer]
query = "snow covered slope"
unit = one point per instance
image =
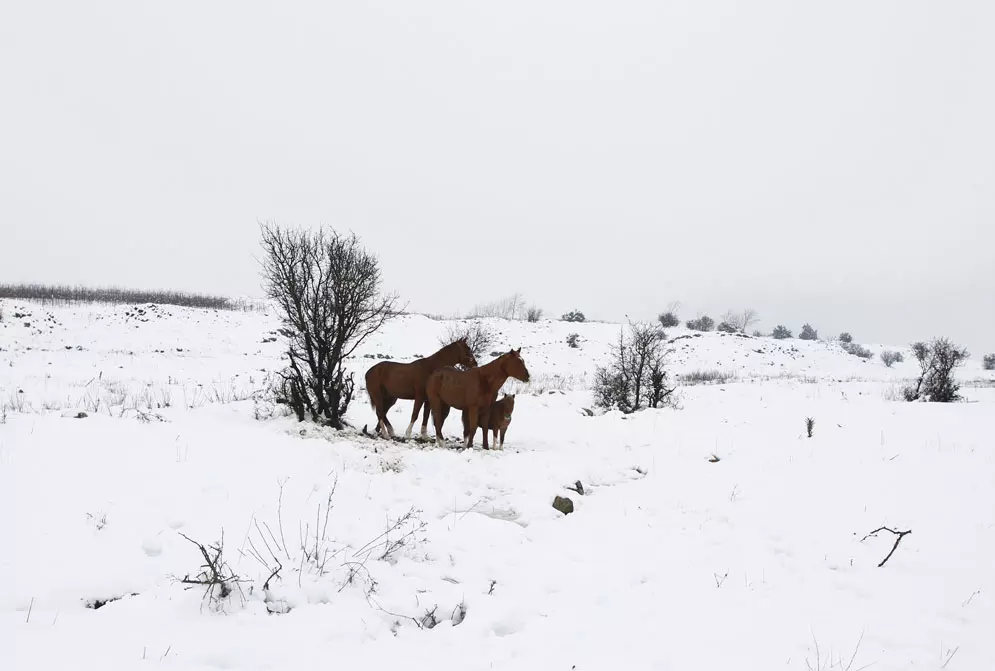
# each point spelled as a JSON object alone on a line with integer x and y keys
{"x": 714, "y": 536}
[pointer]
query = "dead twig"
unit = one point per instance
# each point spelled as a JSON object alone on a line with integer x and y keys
{"x": 279, "y": 518}
{"x": 899, "y": 536}
{"x": 213, "y": 571}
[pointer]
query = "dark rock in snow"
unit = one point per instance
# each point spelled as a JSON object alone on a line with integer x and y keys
{"x": 563, "y": 504}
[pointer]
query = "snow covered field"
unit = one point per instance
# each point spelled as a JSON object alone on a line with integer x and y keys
{"x": 402, "y": 556}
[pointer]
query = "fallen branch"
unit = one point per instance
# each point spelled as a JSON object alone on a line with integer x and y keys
{"x": 899, "y": 536}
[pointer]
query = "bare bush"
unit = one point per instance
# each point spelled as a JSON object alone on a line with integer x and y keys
{"x": 215, "y": 576}
{"x": 533, "y": 314}
{"x": 937, "y": 361}
{"x": 478, "y": 335}
{"x": 701, "y": 323}
{"x": 636, "y": 377}
{"x": 705, "y": 377}
{"x": 781, "y": 332}
{"x": 573, "y": 340}
{"x": 669, "y": 320}
{"x": 544, "y": 383}
{"x": 890, "y": 358}
{"x": 808, "y": 333}
{"x": 856, "y": 350}
{"x": 328, "y": 290}
{"x": 71, "y": 295}
{"x": 575, "y": 316}
{"x": 988, "y": 363}
{"x": 17, "y": 401}
{"x": 399, "y": 534}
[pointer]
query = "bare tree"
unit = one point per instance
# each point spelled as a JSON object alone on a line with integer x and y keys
{"x": 748, "y": 318}
{"x": 635, "y": 378}
{"x": 659, "y": 391}
{"x": 478, "y": 335}
{"x": 740, "y": 321}
{"x": 328, "y": 290}
{"x": 937, "y": 361}
{"x": 644, "y": 349}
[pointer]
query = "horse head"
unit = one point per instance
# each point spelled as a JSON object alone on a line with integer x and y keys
{"x": 464, "y": 355}
{"x": 514, "y": 365}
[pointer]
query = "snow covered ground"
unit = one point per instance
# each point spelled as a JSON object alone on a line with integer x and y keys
{"x": 409, "y": 556}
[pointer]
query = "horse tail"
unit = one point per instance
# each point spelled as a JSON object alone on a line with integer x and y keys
{"x": 373, "y": 385}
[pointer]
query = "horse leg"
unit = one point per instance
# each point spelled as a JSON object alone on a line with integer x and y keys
{"x": 503, "y": 431}
{"x": 470, "y": 426}
{"x": 438, "y": 418}
{"x": 465, "y": 417}
{"x": 419, "y": 402}
{"x": 485, "y": 421}
{"x": 376, "y": 400}
{"x": 424, "y": 419}
{"x": 388, "y": 403}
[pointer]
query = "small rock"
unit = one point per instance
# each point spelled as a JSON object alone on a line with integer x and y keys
{"x": 81, "y": 415}
{"x": 563, "y": 504}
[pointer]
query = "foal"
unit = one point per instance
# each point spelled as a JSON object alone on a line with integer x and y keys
{"x": 501, "y": 412}
{"x": 388, "y": 381}
{"x": 473, "y": 390}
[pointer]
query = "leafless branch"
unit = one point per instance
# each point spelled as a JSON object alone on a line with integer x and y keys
{"x": 899, "y": 535}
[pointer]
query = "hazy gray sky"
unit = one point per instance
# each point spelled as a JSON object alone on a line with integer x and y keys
{"x": 830, "y": 162}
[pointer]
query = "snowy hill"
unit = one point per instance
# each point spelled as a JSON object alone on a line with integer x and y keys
{"x": 712, "y": 536}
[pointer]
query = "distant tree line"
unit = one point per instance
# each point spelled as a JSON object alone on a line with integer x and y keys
{"x": 69, "y": 295}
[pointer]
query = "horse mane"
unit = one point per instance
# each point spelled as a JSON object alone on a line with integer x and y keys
{"x": 443, "y": 350}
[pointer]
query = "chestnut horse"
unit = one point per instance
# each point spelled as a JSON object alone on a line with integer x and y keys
{"x": 474, "y": 390}
{"x": 388, "y": 381}
{"x": 500, "y": 419}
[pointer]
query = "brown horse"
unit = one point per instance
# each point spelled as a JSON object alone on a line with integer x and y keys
{"x": 389, "y": 381}
{"x": 501, "y": 412}
{"x": 473, "y": 390}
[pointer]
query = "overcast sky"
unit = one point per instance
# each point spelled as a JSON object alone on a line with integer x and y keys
{"x": 823, "y": 162}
